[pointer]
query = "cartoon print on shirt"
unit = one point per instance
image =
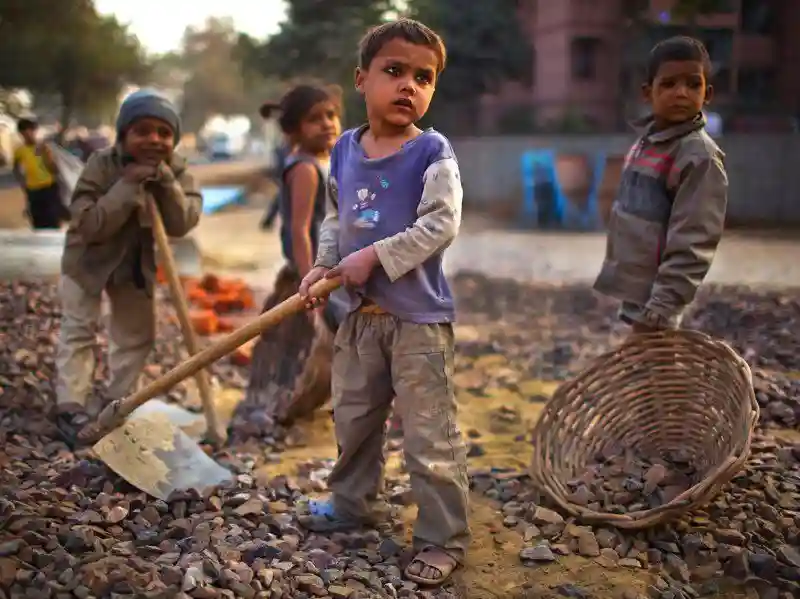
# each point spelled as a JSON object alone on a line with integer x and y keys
{"x": 367, "y": 217}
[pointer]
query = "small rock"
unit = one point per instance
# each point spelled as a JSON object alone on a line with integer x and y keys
{"x": 588, "y": 545}
{"x": 340, "y": 592}
{"x": 543, "y": 515}
{"x": 538, "y": 553}
{"x": 11, "y": 547}
{"x": 789, "y": 555}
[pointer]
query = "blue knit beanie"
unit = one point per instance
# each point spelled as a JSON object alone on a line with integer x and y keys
{"x": 147, "y": 103}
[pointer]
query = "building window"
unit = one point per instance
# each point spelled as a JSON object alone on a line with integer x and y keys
{"x": 721, "y": 80}
{"x": 756, "y": 86}
{"x": 724, "y": 6}
{"x": 530, "y": 80}
{"x": 718, "y": 42}
{"x": 756, "y": 17}
{"x": 635, "y": 9}
{"x": 584, "y": 57}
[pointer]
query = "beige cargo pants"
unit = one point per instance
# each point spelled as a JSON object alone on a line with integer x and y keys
{"x": 377, "y": 357}
{"x": 131, "y": 331}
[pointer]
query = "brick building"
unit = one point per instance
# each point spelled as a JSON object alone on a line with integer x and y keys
{"x": 589, "y": 55}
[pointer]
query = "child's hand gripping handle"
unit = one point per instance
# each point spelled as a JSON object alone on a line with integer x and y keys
{"x": 118, "y": 410}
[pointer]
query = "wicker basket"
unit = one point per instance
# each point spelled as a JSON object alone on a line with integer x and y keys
{"x": 658, "y": 393}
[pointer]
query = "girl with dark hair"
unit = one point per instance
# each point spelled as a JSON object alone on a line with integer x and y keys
{"x": 291, "y": 366}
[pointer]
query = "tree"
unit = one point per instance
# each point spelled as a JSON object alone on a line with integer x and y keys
{"x": 214, "y": 83}
{"x": 690, "y": 10}
{"x": 319, "y": 40}
{"x": 485, "y": 46}
{"x": 67, "y": 49}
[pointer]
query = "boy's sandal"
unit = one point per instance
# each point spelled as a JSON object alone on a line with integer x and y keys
{"x": 432, "y": 566}
{"x": 323, "y": 518}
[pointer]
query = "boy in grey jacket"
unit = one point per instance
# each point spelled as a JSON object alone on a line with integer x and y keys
{"x": 110, "y": 248}
{"x": 669, "y": 213}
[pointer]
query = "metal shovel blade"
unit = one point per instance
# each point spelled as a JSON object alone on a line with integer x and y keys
{"x": 154, "y": 455}
{"x": 191, "y": 423}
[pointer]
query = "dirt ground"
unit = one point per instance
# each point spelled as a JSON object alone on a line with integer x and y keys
{"x": 233, "y": 245}
{"x": 493, "y": 569}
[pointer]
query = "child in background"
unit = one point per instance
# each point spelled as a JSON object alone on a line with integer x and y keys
{"x": 110, "y": 247}
{"x": 669, "y": 213}
{"x": 397, "y": 195}
{"x": 36, "y": 172}
{"x": 309, "y": 120}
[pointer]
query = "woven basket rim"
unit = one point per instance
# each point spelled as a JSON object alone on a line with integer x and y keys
{"x": 544, "y": 477}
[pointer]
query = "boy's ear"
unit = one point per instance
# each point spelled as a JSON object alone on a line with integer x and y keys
{"x": 360, "y": 75}
{"x": 647, "y": 91}
{"x": 709, "y": 94}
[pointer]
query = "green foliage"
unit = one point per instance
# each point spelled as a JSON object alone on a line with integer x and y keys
{"x": 320, "y": 38}
{"x": 214, "y": 83}
{"x": 318, "y": 41}
{"x": 689, "y": 10}
{"x": 485, "y": 47}
{"x": 485, "y": 44}
{"x": 67, "y": 49}
{"x": 218, "y": 70}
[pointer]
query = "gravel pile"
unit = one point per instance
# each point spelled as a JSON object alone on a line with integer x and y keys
{"x": 71, "y": 528}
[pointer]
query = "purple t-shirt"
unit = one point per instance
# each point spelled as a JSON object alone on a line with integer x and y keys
{"x": 409, "y": 205}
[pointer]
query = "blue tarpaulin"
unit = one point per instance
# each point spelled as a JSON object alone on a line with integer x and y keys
{"x": 216, "y": 198}
{"x": 539, "y": 175}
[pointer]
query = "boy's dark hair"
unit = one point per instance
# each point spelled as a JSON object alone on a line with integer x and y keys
{"x": 678, "y": 48}
{"x": 408, "y": 30}
{"x": 26, "y": 125}
{"x": 299, "y": 100}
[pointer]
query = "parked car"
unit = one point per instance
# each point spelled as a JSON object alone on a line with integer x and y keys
{"x": 220, "y": 147}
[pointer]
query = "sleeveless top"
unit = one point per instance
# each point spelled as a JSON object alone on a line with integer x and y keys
{"x": 285, "y": 202}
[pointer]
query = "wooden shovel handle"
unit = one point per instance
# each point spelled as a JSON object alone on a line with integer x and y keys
{"x": 216, "y": 434}
{"x": 117, "y": 411}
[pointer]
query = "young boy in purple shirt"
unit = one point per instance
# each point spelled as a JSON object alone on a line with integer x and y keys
{"x": 396, "y": 195}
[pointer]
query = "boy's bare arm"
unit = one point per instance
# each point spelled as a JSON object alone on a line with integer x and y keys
{"x": 179, "y": 202}
{"x": 328, "y": 249}
{"x": 694, "y": 232}
{"x": 96, "y": 215}
{"x": 437, "y": 224}
{"x": 17, "y": 170}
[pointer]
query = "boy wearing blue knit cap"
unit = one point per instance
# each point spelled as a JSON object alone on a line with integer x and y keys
{"x": 110, "y": 247}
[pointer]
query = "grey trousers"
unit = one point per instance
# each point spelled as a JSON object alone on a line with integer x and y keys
{"x": 378, "y": 357}
{"x": 131, "y": 329}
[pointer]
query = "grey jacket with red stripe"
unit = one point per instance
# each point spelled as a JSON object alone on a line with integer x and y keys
{"x": 666, "y": 221}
